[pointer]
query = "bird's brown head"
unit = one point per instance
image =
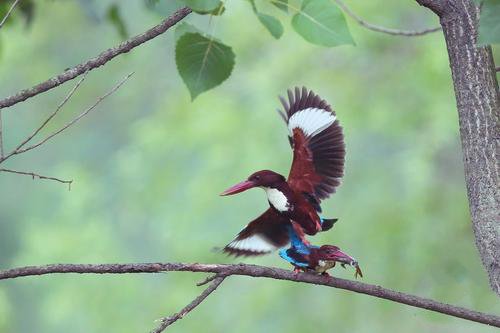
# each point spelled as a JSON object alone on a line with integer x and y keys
{"x": 263, "y": 178}
{"x": 333, "y": 253}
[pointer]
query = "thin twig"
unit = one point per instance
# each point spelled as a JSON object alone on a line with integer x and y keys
{"x": 207, "y": 280}
{"x": 80, "y": 116}
{"x": 96, "y": 62}
{"x": 59, "y": 107}
{"x": 260, "y": 271}
{"x": 167, "y": 321}
{"x": 373, "y": 27}
{"x": 35, "y": 175}
{"x": 8, "y": 13}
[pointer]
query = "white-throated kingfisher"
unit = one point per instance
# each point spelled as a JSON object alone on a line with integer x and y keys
{"x": 318, "y": 164}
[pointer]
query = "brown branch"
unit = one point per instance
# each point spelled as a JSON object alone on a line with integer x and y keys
{"x": 8, "y": 13}
{"x": 373, "y": 27}
{"x": 17, "y": 150}
{"x": 96, "y": 62}
{"x": 167, "y": 321}
{"x": 35, "y": 175}
{"x": 207, "y": 280}
{"x": 259, "y": 271}
{"x": 76, "y": 119}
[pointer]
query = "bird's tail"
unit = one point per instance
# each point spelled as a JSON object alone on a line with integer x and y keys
{"x": 327, "y": 224}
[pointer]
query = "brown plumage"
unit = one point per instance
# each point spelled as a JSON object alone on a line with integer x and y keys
{"x": 317, "y": 167}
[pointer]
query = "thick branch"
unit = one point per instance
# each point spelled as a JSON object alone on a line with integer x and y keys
{"x": 96, "y": 62}
{"x": 389, "y": 31}
{"x": 478, "y": 104}
{"x": 259, "y": 271}
{"x": 167, "y": 321}
{"x": 437, "y": 6}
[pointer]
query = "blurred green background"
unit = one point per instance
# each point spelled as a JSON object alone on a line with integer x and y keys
{"x": 148, "y": 166}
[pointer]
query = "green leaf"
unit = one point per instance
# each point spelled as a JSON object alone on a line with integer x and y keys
{"x": 321, "y": 22}
{"x": 164, "y": 7}
{"x": 281, "y": 4}
{"x": 202, "y": 62}
{"x": 201, "y": 5}
{"x": 183, "y": 28}
{"x": 219, "y": 10}
{"x": 489, "y": 23}
{"x": 272, "y": 24}
{"x": 114, "y": 16}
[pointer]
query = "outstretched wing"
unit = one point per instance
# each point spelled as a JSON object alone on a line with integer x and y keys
{"x": 317, "y": 142}
{"x": 263, "y": 235}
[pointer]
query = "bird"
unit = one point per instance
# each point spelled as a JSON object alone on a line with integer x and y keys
{"x": 317, "y": 142}
{"x": 319, "y": 259}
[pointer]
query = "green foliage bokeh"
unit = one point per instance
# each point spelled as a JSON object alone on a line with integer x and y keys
{"x": 148, "y": 166}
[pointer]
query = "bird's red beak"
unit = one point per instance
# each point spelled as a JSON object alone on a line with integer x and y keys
{"x": 346, "y": 259}
{"x": 240, "y": 187}
{"x": 343, "y": 258}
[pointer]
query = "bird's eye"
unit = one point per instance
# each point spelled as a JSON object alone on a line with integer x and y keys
{"x": 256, "y": 177}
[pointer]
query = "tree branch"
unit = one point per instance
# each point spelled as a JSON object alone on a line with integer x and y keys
{"x": 167, "y": 321}
{"x": 59, "y": 107}
{"x": 96, "y": 62}
{"x": 373, "y": 27}
{"x": 8, "y": 13}
{"x": 478, "y": 103}
{"x": 258, "y": 271}
{"x": 20, "y": 150}
{"x": 80, "y": 116}
{"x": 35, "y": 175}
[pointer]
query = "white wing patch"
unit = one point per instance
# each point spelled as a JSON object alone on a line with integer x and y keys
{"x": 311, "y": 120}
{"x": 253, "y": 243}
{"x": 277, "y": 199}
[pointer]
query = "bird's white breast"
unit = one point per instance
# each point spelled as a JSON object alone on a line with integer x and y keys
{"x": 277, "y": 199}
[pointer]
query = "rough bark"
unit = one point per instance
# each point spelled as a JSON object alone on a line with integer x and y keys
{"x": 478, "y": 103}
{"x": 222, "y": 271}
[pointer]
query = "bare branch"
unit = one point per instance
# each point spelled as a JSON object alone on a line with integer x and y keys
{"x": 167, "y": 321}
{"x": 80, "y": 116}
{"x": 35, "y": 175}
{"x": 207, "y": 280}
{"x": 259, "y": 271}
{"x": 59, "y": 107}
{"x": 373, "y": 27}
{"x": 17, "y": 150}
{"x": 96, "y": 62}
{"x": 8, "y": 13}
